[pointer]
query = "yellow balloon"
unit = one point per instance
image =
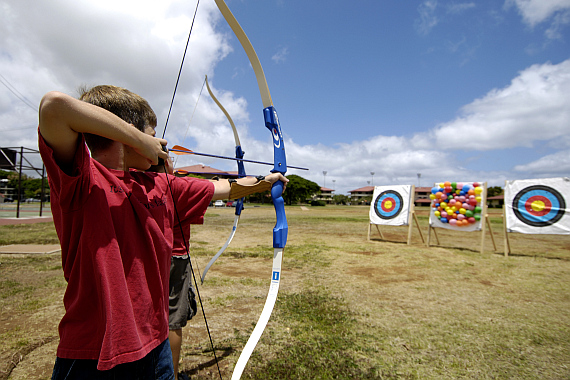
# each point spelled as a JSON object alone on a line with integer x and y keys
{"x": 478, "y": 199}
{"x": 432, "y": 196}
{"x": 462, "y": 211}
{"x": 437, "y": 213}
{"x": 478, "y": 190}
{"x": 443, "y": 204}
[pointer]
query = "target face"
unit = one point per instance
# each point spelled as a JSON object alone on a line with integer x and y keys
{"x": 388, "y": 204}
{"x": 539, "y": 206}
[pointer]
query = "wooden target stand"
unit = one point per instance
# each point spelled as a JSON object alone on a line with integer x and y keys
{"x": 412, "y": 214}
{"x": 484, "y": 221}
{"x": 506, "y": 242}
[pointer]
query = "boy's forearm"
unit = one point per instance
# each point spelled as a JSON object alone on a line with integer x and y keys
{"x": 246, "y": 186}
{"x": 62, "y": 118}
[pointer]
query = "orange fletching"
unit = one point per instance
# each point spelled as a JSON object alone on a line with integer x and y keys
{"x": 177, "y": 148}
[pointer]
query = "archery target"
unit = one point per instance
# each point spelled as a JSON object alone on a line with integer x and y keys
{"x": 537, "y": 206}
{"x": 458, "y": 206}
{"x": 390, "y": 205}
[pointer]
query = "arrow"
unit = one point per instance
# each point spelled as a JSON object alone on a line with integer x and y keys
{"x": 177, "y": 149}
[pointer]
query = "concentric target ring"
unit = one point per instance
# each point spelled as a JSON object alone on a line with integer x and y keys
{"x": 539, "y": 206}
{"x": 388, "y": 204}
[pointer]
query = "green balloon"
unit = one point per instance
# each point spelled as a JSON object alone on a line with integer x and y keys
{"x": 477, "y": 217}
{"x": 469, "y": 214}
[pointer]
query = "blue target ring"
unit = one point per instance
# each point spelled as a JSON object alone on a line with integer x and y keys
{"x": 539, "y": 206}
{"x": 388, "y": 204}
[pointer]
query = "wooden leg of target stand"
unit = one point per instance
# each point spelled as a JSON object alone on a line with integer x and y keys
{"x": 434, "y": 234}
{"x": 491, "y": 232}
{"x": 506, "y": 236}
{"x": 418, "y": 226}
{"x": 436, "y": 237}
{"x": 380, "y": 232}
{"x": 377, "y": 229}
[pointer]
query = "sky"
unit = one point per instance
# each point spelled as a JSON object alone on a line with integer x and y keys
{"x": 416, "y": 92}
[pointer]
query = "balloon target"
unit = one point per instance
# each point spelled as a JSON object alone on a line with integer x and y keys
{"x": 388, "y": 204}
{"x": 539, "y": 206}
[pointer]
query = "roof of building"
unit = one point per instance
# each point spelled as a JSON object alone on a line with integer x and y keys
{"x": 327, "y": 189}
{"x": 365, "y": 189}
{"x": 204, "y": 169}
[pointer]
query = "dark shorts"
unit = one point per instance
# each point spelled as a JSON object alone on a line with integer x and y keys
{"x": 182, "y": 301}
{"x": 156, "y": 365}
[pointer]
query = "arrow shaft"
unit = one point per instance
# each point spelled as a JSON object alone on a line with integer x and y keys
{"x": 227, "y": 158}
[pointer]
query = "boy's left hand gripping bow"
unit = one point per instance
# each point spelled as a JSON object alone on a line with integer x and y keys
{"x": 280, "y": 165}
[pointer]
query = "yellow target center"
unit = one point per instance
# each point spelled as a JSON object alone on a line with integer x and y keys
{"x": 388, "y": 204}
{"x": 538, "y": 206}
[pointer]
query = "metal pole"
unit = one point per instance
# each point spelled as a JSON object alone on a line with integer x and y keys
{"x": 20, "y": 182}
{"x": 43, "y": 189}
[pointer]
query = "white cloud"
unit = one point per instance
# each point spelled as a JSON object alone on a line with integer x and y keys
{"x": 534, "y": 107}
{"x": 459, "y": 7}
{"x": 552, "y": 165}
{"x": 536, "y": 11}
{"x": 428, "y": 19}
{"x": 281, "y": 55}
{"x": 136, "y": 46}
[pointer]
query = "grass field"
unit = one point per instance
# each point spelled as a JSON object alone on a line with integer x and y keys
{"x": 347, "y": 308}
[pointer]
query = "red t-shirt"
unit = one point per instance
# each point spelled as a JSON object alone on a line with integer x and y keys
{"x": 115, "y": 230}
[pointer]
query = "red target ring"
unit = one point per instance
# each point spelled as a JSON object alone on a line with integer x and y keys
{"x": 388, "y": 204}
{"x": 538, "y": 205}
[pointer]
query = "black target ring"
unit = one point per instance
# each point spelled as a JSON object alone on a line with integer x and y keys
{"x": 539, "y": 206}
{"x": 388, "y": 204}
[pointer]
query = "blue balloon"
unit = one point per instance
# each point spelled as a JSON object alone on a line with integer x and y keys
{"x": 434, "y": 190}
{"x": 443, "y": 220}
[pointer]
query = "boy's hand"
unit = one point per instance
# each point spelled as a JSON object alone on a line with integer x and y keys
{"x": 151, "y": 148}
{"x": 274, "y": 177}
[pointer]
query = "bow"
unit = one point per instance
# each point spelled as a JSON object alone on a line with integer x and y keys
{"x": 280, "y": 165}
{"x": 241, "y": 174}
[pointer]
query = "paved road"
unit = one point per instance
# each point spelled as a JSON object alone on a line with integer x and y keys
{"x": 30, "y": 220}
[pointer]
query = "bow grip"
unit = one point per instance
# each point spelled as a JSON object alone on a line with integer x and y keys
{"x": 272, "y": 123}
{"x": 280, "y": 230}
{"x": 241, "y": 174}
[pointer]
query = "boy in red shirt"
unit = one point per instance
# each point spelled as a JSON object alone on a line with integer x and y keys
{"x": 115, "y": 229}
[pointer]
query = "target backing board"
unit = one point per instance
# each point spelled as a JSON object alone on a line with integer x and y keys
{"x": 538, "y": 206}
{"x": 391, "y": 205}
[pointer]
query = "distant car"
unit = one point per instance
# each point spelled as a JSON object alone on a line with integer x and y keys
{"x": 219, "y": 203}
{"x": 230, "y": 204}
{"x": 8, "y": 200}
